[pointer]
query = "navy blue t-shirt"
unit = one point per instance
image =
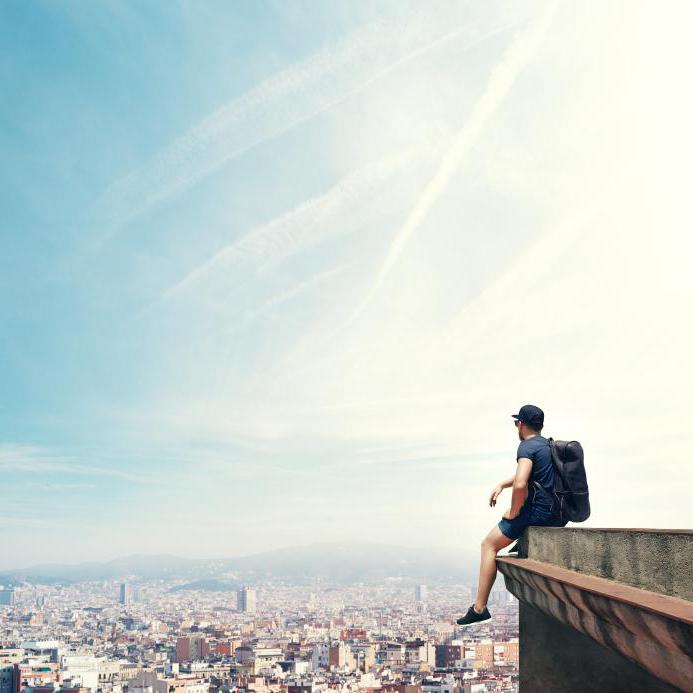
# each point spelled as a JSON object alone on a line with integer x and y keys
{"x": 537, "y": 449}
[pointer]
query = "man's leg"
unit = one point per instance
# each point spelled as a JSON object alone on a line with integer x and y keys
{"x": 495, "y": 541}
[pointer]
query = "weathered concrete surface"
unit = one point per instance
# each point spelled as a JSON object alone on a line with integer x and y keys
{"x": 655, "y": 631}
{"x": 658, "y": 560}
{"x": 581, "y": 665}
{"x": 627, "y": 592}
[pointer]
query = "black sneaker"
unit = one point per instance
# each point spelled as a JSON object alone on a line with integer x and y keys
{"x": 472, "y": 616}
{"x": 515, "y": 548}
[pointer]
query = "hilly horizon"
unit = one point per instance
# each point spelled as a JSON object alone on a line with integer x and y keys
{"x": 341, "y": 562}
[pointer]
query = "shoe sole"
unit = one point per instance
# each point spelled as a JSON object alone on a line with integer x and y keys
{"x": 476, "y": 623}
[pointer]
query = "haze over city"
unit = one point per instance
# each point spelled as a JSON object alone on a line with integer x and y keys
{"x": 279, "y": 273}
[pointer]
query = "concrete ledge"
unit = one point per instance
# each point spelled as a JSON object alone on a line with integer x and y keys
{"x": 645, "y": 635}
{"x": 659, "y": 560}
{"x": 678, "y": 610}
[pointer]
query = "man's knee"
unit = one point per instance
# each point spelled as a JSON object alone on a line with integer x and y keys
{"x": 487, "y": 544}
{"x": 495, "y": 540}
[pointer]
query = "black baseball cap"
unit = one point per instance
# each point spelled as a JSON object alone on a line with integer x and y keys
{"x": 530, "y": 415}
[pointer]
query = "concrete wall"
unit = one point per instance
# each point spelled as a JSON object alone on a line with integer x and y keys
{"x": 557, "y": 658}
{"x": 656, "y": 560}
{"x": 604, "y": 609}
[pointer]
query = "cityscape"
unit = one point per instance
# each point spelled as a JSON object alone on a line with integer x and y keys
{"x": 277, "y": 635}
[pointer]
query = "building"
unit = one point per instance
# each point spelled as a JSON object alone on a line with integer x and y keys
{"x": 51, "y": 689}
{"x": 421, "y": 594}
{"x": 9, "y": 671}
{"x": 506, "y": 652}
{"x": 6, "y": 596}
{"x": 50, "y": 649}
{"x": 420, "y": 652}
{"x": 109, "y": 672}
{"x": 190, "y": 648}
{"x": 125, "y": 594}
{"x": 480, "y": 653}
{"x": 447, "y": 656}
{"x": 341, "y": 657}
{"x": 391, "y": 654}
{"x": 149, "y": 682}
{"x": 321, "y": 655}
{"x": 247, "y": 602}
{"x": 35, "y": 671}
{"x": 266, "y": 658}
{"x": 364, "y": 653}
{"x": 9, "y": 678}
{"x": 446, "y": 684}
{"x": 80, "y": 670}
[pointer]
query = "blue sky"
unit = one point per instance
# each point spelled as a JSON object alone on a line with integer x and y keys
{"x": 275, "y": 273}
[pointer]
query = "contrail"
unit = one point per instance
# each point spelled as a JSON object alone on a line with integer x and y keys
{"x": 298, "y": 289}
{"x": 296, "y": 227}
{"x": 288, "y": 295}
{"x": 295, "y": 230}
{"x": 34, "y": 459}
{"x": 502, "y": 78}
{"x": 274, "y": 107}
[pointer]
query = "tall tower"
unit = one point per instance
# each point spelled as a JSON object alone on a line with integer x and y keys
{"x": 7, "y": 596}
{"x": 247, "y": 602}
{"x": 421, "y": 594}
{"x": 125, "y": 594}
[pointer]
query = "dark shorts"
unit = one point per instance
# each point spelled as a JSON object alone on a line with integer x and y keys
{"x": 537, "y": 512}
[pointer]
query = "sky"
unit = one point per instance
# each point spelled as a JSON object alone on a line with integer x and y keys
{"x": 276, "y": 273}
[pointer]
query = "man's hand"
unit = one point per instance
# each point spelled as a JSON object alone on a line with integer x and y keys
{"x": 509, "y": 515}
{"x": 494, "y": 495}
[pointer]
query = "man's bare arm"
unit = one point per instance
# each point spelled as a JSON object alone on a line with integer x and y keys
{"x": 524, "y": 468}
{"x": 497, "y": 490}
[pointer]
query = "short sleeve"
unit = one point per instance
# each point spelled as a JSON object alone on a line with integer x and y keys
{"x": 525, "y": 449}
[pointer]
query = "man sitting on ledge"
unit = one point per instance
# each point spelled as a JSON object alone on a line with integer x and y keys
{"x": 534, "y": 473}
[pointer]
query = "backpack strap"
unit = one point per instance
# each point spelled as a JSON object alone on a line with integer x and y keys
{"x": 540, "y": 490}
{"x": 558, "y": 470}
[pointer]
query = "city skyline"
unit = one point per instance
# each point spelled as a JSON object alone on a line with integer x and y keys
{"x": 264, "y": 286}
{"x": 200, "y": 642}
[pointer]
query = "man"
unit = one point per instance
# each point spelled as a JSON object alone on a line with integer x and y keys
{"x": 531, "y": 504}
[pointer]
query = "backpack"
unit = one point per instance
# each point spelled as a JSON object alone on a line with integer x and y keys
{"x": 570, "y": 480}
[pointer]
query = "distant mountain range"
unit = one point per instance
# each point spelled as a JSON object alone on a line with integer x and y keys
{"x": 338, "y": 562}
{"x": 209, "y": 585}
